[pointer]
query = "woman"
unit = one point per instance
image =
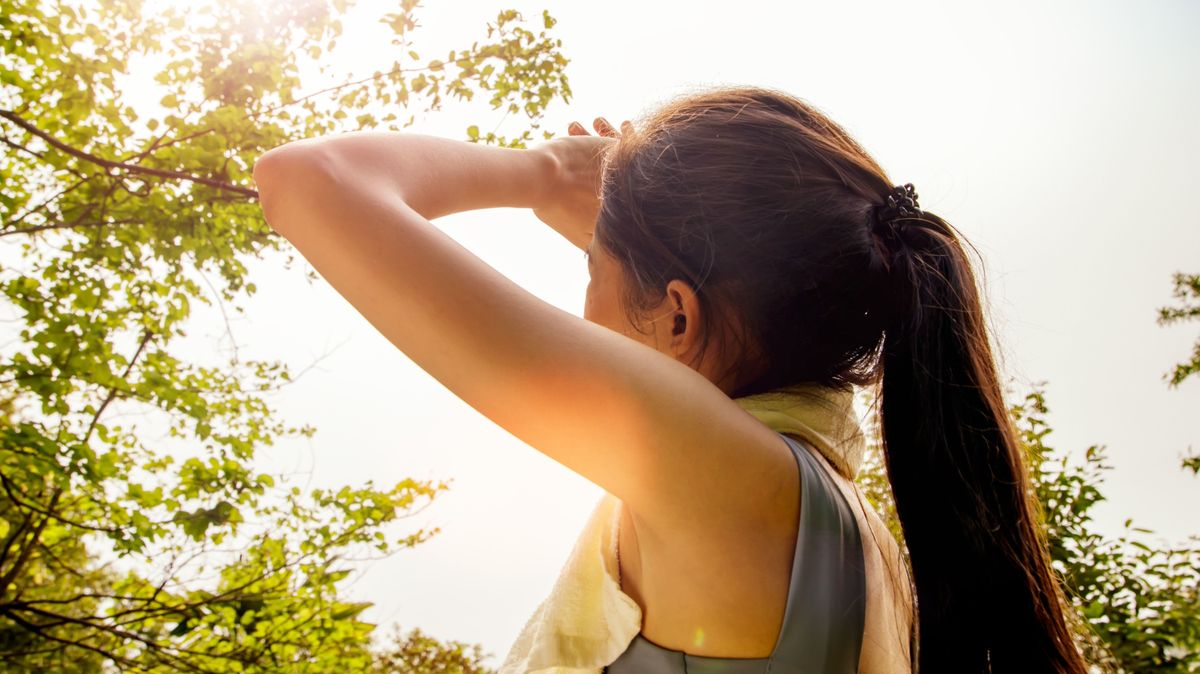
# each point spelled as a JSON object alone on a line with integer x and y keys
{"x": 739, "y": 242}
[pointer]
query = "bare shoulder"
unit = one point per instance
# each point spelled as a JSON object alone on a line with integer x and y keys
{"x": 721, "y": 470}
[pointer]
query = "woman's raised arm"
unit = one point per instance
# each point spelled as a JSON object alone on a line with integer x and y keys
{"x": 636, "y": 422}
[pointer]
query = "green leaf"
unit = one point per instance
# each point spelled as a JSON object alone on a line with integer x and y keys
{"x": 215, "y": 562}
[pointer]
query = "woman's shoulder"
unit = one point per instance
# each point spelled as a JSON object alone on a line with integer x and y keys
{"x": 887, "y": 633}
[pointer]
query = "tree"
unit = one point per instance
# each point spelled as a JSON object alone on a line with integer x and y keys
{"x": 1138, "y": 605}
{"x": 1187, "y": 292}
{"x": 1141, "y": 603}
{"x": 414, "y": 651}
{"x": 119, "y": 216}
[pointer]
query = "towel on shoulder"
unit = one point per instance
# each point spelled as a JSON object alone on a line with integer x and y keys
{"x": 587, "y": 622}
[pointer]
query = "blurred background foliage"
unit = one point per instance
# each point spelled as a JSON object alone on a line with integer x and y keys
{"x": 116, "y": 555}
{"x": 119, "y": 216}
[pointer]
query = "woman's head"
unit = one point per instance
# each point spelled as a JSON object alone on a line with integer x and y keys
{"x": 674, "y": 324}
{"x": 760, "y": 205}
{"x": 751, "y": 213}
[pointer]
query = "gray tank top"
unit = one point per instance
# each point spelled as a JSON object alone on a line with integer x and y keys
{"x": 826, "y": 604}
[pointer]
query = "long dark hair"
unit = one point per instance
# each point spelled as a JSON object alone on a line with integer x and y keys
{"x": 767, "y": 207}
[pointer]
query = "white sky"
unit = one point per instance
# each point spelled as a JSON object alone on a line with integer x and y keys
{"x": 1057, "y": 139}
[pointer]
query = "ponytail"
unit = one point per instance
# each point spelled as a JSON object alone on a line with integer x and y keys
{"x": 987, "y": 600}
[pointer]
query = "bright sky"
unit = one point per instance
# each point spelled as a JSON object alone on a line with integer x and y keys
{"x": 1056, "y": 138}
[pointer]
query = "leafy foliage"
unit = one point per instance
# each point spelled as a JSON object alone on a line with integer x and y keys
{"x": 120, "y": 216}
{"x": 1141, "y": 600}
{"x": 417, "y": 652}
{"x": 1187, "y": 292}
{"x": 1138, "y": 603}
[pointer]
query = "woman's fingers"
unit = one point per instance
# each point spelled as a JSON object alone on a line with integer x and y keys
{"x": 603, "y": 127}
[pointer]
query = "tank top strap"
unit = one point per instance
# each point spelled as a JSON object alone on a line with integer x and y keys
{"x": 826, "y": 606}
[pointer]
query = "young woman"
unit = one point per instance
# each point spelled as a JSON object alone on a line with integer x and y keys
{"x": 738, "y": 242}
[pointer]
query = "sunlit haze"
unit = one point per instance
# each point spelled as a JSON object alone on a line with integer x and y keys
{"x": 1058, "y": 137}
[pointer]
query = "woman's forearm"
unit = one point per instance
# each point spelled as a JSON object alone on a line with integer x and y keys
{"x": 435, "y": 176}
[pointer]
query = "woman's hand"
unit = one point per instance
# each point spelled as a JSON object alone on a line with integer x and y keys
{"x": 572, "y": 203}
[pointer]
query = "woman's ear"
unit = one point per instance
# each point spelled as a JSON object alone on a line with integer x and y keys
{"x": 685, "y": 320}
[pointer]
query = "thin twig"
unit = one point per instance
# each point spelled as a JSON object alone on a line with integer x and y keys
{"x": 124, "y": 166}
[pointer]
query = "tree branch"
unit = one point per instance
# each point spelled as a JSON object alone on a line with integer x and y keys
{"x": 13, "y": 536}
{"x": 41, "y": 632}
{"x": 124, "y": 166}
{"x": 17, "y": 146}
{"x": 337, "y": 87}
{"x": 47, "y": 512}
{"x": 74, "y": 224}
{"x": 23, "y": 556}
{"x": 112, "y": 392}
{"x": 46, "y": 203}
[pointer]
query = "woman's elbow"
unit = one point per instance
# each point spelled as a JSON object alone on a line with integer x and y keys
{"x": 288, "y": 177}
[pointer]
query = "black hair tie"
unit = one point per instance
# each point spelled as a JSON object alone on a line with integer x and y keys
{"x": 892, "y": 215}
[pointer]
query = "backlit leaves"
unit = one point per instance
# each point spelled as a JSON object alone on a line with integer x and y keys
{"x": 1186, "y": 292}
{"x": 1138, "y": 599}
{"x": 120, "y": 213}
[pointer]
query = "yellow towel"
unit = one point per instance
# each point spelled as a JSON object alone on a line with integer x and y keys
{"x": 587, "y": 622}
